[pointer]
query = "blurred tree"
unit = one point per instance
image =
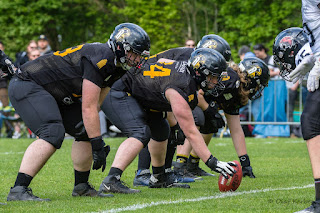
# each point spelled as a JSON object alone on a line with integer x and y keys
{"x": 168, "y": 22}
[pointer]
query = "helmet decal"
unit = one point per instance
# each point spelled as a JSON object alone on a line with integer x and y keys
{"x": 210, "y": 44}
{"x": 199, "y": 59}
{"x": 122, "y": 34}
{"x": 286, "y": 41}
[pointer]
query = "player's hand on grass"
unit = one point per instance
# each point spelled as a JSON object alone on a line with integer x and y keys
{"x": 99, "y": 153}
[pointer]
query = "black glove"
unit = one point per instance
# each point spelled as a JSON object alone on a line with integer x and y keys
{"x": 247, "y": 171}
{"x": 81, "y": 130}
{"x": 213, "y": 115}
{"x": 6, "y": 65}
{"x": 177, "y": 136}
{"x": 99, "y": 153}
{"x": 221, "y": 167}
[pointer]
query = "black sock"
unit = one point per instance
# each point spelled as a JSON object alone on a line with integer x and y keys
{"x": 23, "y": 180}
{"x": 81, "y": 177}
{"x": 194, "y": 159}
{"x": 158, "y": 170}
{"x": 317, "y": 188}
{"x": 244, "y": 160}
{"x": 182, "y": 158}
{"x": 171, "y": 149}
{"x": 144, "y": 159}
{"x": 115, "y": 171}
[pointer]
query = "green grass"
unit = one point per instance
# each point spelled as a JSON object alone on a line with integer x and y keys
{"x": 279, "y": 165}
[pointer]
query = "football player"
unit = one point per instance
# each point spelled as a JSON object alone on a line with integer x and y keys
{"x": 210, "y": 122}
{"x": 145, "y": 96}
{"x": 176, "y": 135}
{"x": 46, "y": 94}
{"x": 293, "y": 53}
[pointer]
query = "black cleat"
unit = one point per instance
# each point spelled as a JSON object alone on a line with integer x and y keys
{"x": 23, "y": 193}
{"x": 181, "y": 169}
{"x": 194, "y": 169}
{"x": 113, "y": 184}
{"x": 247, "y": 171}
{"x": 174, "y": 177}
{"x": 162, "y": 181}
{"x": 314, "y": 208}
{"x": 86, "y": 189}
{"x": 142, "y": 178}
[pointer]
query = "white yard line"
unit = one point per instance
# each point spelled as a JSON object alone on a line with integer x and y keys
{"x": 220, "y": 195}
{"x": 11, "y": 153}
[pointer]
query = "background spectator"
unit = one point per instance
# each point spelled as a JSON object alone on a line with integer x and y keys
{"x": 43, "y": 45}
{"x": 190, "y": 43}
{"x": 245, "y": 52}
{"x": 22, "y": 57}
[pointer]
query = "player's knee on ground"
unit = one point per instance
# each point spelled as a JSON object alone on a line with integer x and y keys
{"x": 53, "y": 133}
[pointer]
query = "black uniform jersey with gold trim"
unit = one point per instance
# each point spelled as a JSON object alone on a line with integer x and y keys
{"x": 177, "y": 54}
{"x": 150, "y": 83}
{"x": 61, "y": 73}
{"x": 229, "y": 100}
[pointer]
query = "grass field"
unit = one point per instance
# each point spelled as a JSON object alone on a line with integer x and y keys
{"x": 284, "y": 182}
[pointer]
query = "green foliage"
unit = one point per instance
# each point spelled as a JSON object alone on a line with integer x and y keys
{"x": 169, "y": 22}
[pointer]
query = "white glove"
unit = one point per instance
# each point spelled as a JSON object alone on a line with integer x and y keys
{"x": 302, "y": 69}
{"x": 221, "y": 167}
{"x": 314, "y": 75}
{"x": 225, "y": 168}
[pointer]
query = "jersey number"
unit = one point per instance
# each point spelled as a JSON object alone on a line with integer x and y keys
{"x": 68, "y": 51}
{"x": 157, "y": 71}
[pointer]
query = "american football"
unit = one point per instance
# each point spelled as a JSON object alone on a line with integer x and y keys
{"x": 233, "y": 182}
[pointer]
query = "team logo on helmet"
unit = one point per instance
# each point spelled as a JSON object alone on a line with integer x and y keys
{"x": 199, "y": 59}
{"x": 212, "y": 44}
{"x": 122, "y": 34}
{"x": 255, "y": 70}
{"x": 286, "y": 42}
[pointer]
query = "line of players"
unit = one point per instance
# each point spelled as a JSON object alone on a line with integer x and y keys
{"x": 205, "y": 69}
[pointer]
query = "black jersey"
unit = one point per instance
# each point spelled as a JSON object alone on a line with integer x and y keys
{"x": 150, "y": 83}
{"x": 229, "y": 100}
{"x": 61, "y": 73}
{"x": 177, "y": 54}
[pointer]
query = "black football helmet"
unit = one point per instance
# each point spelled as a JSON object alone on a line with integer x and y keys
{"x": 285, "y": 48}
{"x": 217, "y": 43}
{"x": 204, "y": 62}
{"x": 127, "y": 37}
{"x": 257, "y": 74}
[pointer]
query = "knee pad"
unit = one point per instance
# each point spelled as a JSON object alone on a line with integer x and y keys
{"x": 198, "y": 116}
{"x": 52, "y": 133}
{"x": 309, "y": 127}
{"x": 142, "y": 134}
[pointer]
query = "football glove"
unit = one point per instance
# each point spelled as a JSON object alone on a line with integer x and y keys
{"x": 314, "y": 75}
{"x": 213, "y": 115}
{"x": 302, "y": 69}
{"x": 177, "y": 136}
{"x": 81, "y": 130}
{"x": 224, "y": 168}
{"x": 6, "y": 65}
{"x": 99, "y": 153}
{"x": 247, "y": 171}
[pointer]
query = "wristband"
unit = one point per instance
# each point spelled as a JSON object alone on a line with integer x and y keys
{"x": 97, "y": 143}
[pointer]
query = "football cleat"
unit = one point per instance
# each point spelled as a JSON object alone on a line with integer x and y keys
{"x": 162, "y": 181}
{"x": 113, "y": 184}
{"x": 314, "y": 208}
{"x": 174, "y": 177}
{"x": 86, "y": 189}
{"x": 181, "y": 169}
{"x": 142, "y": 177}
{"x": 23, "y": 193}
{"x": 247, "y": 171}
{"x": 194, "y": 169}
